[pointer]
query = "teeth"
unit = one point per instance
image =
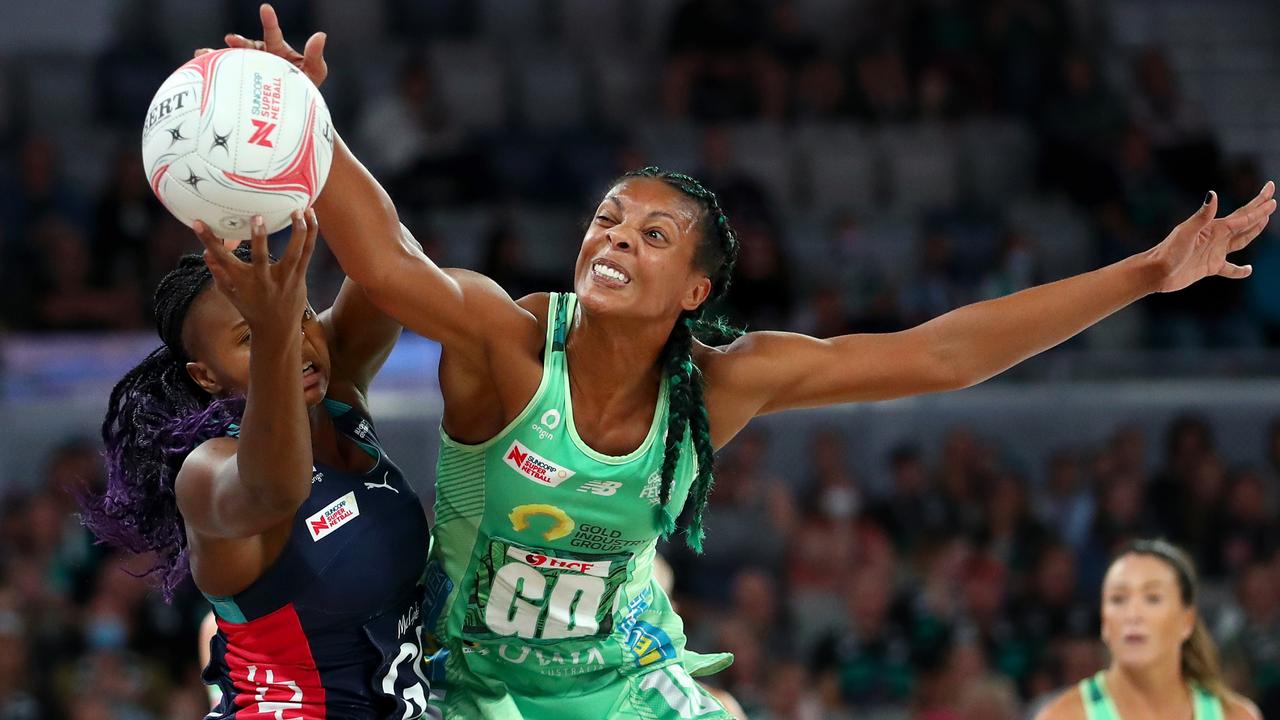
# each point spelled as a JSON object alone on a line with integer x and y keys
{"x": 605, "y": 270}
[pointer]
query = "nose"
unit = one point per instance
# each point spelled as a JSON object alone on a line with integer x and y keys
{"x": 617, "y": 240}
{"x": 1132, "y": 613}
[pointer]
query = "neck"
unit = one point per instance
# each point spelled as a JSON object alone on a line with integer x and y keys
{"x": 615, "y": 361}
{"x": 1159, "y": 684}
{"x": 324, "y": 437}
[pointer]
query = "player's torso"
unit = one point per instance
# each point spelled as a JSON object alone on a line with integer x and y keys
{"x": 549, "y": 544}
{"x": 326, "y": 625}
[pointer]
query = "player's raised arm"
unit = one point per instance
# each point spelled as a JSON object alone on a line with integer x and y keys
{"x": 458, "y": 308}
{"x": 232, "y": 489}
{"x": 768, "y": 372}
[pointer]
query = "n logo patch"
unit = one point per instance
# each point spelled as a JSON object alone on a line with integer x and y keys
{"x": 535, "y": 467}
{"x": 339, "y": 513}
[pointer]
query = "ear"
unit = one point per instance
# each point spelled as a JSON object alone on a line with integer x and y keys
{"x": 204, "y": 377}
{"x": 1189, "y": 627}
{"x": 697, "y": 293}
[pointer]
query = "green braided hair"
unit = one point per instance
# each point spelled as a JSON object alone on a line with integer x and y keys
{"x": 716, "y": 255}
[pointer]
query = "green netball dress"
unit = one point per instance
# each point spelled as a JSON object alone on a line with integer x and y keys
{"x": 1098, "y": 704}
{"x": 543, "y": 552}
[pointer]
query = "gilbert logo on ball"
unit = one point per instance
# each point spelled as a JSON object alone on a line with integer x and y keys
{"x": 236, "y": 133}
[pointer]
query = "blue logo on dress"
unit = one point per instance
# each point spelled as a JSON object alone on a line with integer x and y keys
{"x": 649, "y": 644}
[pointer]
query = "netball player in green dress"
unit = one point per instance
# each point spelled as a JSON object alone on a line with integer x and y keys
{"x": 577, "y": 427}
{"x": 1163, "y": 661}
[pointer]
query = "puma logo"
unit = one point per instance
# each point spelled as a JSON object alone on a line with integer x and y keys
{"x": 382, "y": 485}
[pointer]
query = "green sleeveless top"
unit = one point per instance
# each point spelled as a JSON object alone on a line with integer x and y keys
{"x": 1098, "y": 704}
{"x": 548, "y": 548}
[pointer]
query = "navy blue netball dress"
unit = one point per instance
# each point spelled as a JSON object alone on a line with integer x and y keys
{"x": 333, "y": 629}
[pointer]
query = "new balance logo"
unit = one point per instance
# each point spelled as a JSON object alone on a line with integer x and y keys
{"x": 339, "y": 513}
{"x": 261, "y": 130}
{"x": 384, "y": 485}
{"x": 601, "y": 487}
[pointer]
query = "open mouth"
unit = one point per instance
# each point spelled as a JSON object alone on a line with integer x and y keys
{"x": 610, "y": 273}
{"x": 310, "y": 375}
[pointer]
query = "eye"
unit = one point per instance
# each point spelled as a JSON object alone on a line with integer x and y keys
{"x": 656, "y": 235}
{"x": 244, "y": 339}
{"x": 604, "y": 218}
{"x": 1154, "y": 599}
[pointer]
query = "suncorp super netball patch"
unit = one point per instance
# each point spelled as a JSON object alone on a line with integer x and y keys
{"x": 339, "y": 513}
{"x": 534, "y": 466}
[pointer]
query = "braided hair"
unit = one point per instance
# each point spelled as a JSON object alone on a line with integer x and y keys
{"x": 155, "y": 417}
{"x": 716, "y": 254}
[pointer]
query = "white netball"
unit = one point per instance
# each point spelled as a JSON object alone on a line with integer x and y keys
{"x": 236, "y": 133}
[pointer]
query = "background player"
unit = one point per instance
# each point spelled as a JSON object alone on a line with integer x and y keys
{"x": 1163, "y": 661}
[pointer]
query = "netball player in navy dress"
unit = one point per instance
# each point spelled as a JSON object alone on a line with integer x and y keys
{"x": 242, "y": 450}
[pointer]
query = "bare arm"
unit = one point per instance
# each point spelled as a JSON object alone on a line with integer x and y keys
{"x": 238, "y": 488}
{"x": 460, "y": 309}
{"x": 769, "y": 372}
{"x": 360, "y": 335}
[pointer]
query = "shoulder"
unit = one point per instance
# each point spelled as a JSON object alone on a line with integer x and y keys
{"x": 537, "y": 305}
{"x": 199, "y": 468}
{"x": 751, "y": 349}
{"x": 1239, "y": 707}
{"x": 1066, "y": 706}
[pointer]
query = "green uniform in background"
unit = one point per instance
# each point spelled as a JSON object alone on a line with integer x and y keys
{"x": 551, "y": 608}
{"x": 1098, "y": 705}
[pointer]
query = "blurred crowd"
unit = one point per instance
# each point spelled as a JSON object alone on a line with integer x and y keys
{"x": 910, "y": 157}
{"x": 964, "y": 591}
{"x": 957, "y": 590}
{"x": 903, "y": 159}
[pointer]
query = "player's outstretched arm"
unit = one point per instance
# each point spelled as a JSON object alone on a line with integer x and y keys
{"x": 231, "y": 488}
{"x": 460, "y": 309}
{"x": 767, "y": 372}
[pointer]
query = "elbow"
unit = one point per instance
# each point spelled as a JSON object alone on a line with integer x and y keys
{"x": 379, "y": 271}
{"x": 946, "y": 368}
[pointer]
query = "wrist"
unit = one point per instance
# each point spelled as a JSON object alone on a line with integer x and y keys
{"x": 277, "y": 335}
{"x": 1148, "y": 270}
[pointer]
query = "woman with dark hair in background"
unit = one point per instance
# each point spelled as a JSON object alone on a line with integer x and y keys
{"x": 1164, "y": 664}
{"x": 242, "y": 451}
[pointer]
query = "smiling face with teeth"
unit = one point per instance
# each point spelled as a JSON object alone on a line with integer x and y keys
{"x": 638, "y": 256}
{"x": 216, "y": 337}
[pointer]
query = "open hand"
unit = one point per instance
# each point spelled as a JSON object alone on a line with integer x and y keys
{"x": 1198, "y": 247}
{"x": 270, "y": 296}
{"x": 310, "y": 61}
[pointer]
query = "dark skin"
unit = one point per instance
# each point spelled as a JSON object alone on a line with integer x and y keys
{"x": 238, "y": 497}
{"x": 491, "y": 358}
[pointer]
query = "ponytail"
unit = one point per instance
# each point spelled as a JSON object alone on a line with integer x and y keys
{"x": 716, "y": 255}
{"x": 156, "y": 416}
{"x": 1200, "y": 661}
